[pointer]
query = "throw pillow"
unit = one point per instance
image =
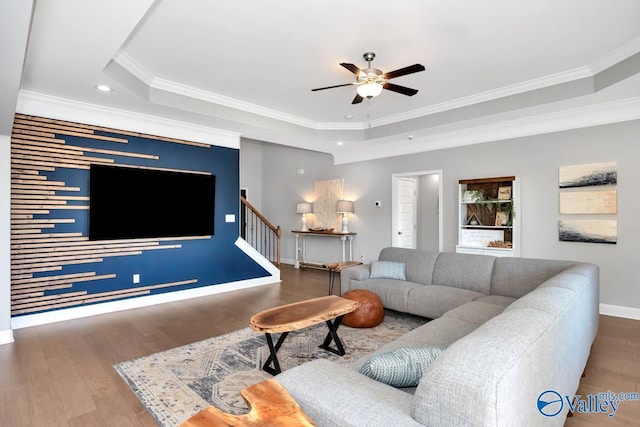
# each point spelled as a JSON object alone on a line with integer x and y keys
{"x": 388, "y": 270}
{"x": 402, "y": 367}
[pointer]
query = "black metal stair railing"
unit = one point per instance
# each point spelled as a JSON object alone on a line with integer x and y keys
{"x": 260, "y": 233}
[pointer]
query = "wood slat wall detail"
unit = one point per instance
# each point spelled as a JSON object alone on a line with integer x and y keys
{"x": 40, "y": 252}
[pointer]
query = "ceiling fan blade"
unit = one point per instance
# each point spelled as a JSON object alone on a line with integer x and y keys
{"x": 331, "y": 87}
{"x": 400, "y": 89}
{"x": 357, "y": 100}
{"x": 354, "y": 69}
{"x": 415, "y": 68}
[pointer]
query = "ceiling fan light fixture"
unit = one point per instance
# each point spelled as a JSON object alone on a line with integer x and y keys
{"x": 369, "y": 90}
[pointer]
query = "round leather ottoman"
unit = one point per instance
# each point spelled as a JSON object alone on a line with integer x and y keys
{"x": 369, "y": 312}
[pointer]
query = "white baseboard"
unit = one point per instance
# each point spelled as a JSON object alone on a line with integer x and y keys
{"x": 620, "y": 311}
{"x": 110, "y": 307}
{"x": 289, "y": 261}
{"x": 6, "y": 337}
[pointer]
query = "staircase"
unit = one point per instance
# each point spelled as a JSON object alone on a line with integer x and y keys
{"x": 260, "y": 233}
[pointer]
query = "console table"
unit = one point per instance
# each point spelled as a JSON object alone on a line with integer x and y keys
{"x": 302, "y": 235}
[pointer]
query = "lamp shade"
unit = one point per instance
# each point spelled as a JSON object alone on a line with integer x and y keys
{"x": 344, "y": 206}
{"x": 304, "y": 208}
{"x": 369, "y": 90}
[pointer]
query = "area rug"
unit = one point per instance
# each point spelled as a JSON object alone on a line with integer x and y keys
{"x": 175, "y": 384}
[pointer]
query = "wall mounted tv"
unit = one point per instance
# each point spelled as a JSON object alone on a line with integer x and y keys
{"x": 131, "y": 203}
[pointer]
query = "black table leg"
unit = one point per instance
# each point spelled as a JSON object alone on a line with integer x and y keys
{"x": 273, "y": 357}
{"x": 333, "y": 336}
{"x": 332, "y": 278}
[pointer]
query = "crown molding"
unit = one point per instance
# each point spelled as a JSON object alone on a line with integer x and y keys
{"x": 575, "y": 118}
{"x": 144, "y": 75}
{"x": 490, "y": 95}
{"x": 612, "y": 58}
{"x": 623, "y": 52}
{"x": 65, "y": 109}
{"x": 214, "y": 98}
{"x": 134, "y": 67}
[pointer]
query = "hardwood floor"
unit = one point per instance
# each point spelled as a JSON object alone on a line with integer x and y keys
{"x": 61, "y": 374}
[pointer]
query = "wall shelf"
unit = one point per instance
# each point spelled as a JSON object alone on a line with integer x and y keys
{"x": 492, "y": 215}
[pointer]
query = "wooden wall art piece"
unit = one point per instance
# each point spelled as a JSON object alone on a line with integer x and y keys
{"x": 327, "y": 193}
{"x": 588, "y": 175}
{"x": 589, "y": 231}
{"x": 589, "y": 202}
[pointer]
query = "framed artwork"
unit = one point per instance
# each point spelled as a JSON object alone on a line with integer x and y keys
{"x": 502, "y": 218}
{"x": 588, "y": 175}
{"x": 472, "y": 196}
{"x": 588, "y": 231}
{"x": 589, "y": 202}
{"x": 504, "y": 193}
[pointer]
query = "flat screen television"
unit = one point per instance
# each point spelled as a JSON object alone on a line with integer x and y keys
{"x": 131, "y": 203}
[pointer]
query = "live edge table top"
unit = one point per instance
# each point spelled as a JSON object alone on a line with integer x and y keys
{"x": 298, "y": 315}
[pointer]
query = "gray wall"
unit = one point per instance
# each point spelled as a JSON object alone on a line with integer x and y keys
{"x": 428, "y": 212}
{"x": 251, "y": 170}
{"x": 534, "y": 160}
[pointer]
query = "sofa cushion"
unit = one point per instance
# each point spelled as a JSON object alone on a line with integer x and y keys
{"x": 515, "y": 277}
{"x": 566, "y": 280}
{"x": 440, "y": 332}
{"x": 334, "y": 395}
{"x": 393, "y": 293}
{"x": 419, "y": 264}
{"x": 496, "y": 300}
{"x": 388, "y": 270}
{"x": 552, "y": 300}
{"x": 475, "y": 312}
{"x": 465, "y": 271}
{"x": 488, "y": 373}
{"x": 433, "y": 301}
{"x": 402, "y": 367}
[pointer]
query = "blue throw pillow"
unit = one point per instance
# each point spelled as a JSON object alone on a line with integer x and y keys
{"x": 402, "y": 367}
{"x": 388, "y": 270}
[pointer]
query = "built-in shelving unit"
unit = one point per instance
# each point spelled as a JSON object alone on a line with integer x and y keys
{"x": 489, "y": 216}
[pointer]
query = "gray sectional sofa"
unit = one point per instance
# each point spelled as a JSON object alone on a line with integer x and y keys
{"x": 513, "y": 328}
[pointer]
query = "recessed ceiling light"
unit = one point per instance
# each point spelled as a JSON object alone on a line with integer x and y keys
{"x": 340, "y": 143}
{"x": 410, "y": 137}
{"x": 349, "y": 116}
{"x": 103, "y": 88}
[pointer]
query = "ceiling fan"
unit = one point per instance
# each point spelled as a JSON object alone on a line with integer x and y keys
{"x": 371, "y": 81}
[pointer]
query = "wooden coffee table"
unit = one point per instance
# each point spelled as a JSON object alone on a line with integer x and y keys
{"x": 292, "y": 317}
{"x": 270, "y": 405}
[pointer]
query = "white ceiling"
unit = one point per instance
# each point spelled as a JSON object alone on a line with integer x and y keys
{"x": 494, "y": 68}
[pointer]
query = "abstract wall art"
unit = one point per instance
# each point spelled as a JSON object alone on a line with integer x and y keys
{"x": 589, "y": 231}
{"x": 589, "y": 202}
{"x": 601, "y": 204}
{"x": 588, "y": 175}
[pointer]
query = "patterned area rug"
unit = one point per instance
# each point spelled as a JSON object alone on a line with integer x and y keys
{"x": 175, "y": 384}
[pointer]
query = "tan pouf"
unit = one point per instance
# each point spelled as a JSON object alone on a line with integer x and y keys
{"x": 369, "y": 313}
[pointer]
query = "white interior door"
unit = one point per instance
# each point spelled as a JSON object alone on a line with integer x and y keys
{"x": 406, "y": 190}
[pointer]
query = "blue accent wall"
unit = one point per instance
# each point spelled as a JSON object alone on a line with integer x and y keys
{"x": 48, "y": 269}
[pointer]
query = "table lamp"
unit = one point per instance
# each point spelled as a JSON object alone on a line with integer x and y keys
{"x": 304, "y": 209}
{"x": 344, "y": 207}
